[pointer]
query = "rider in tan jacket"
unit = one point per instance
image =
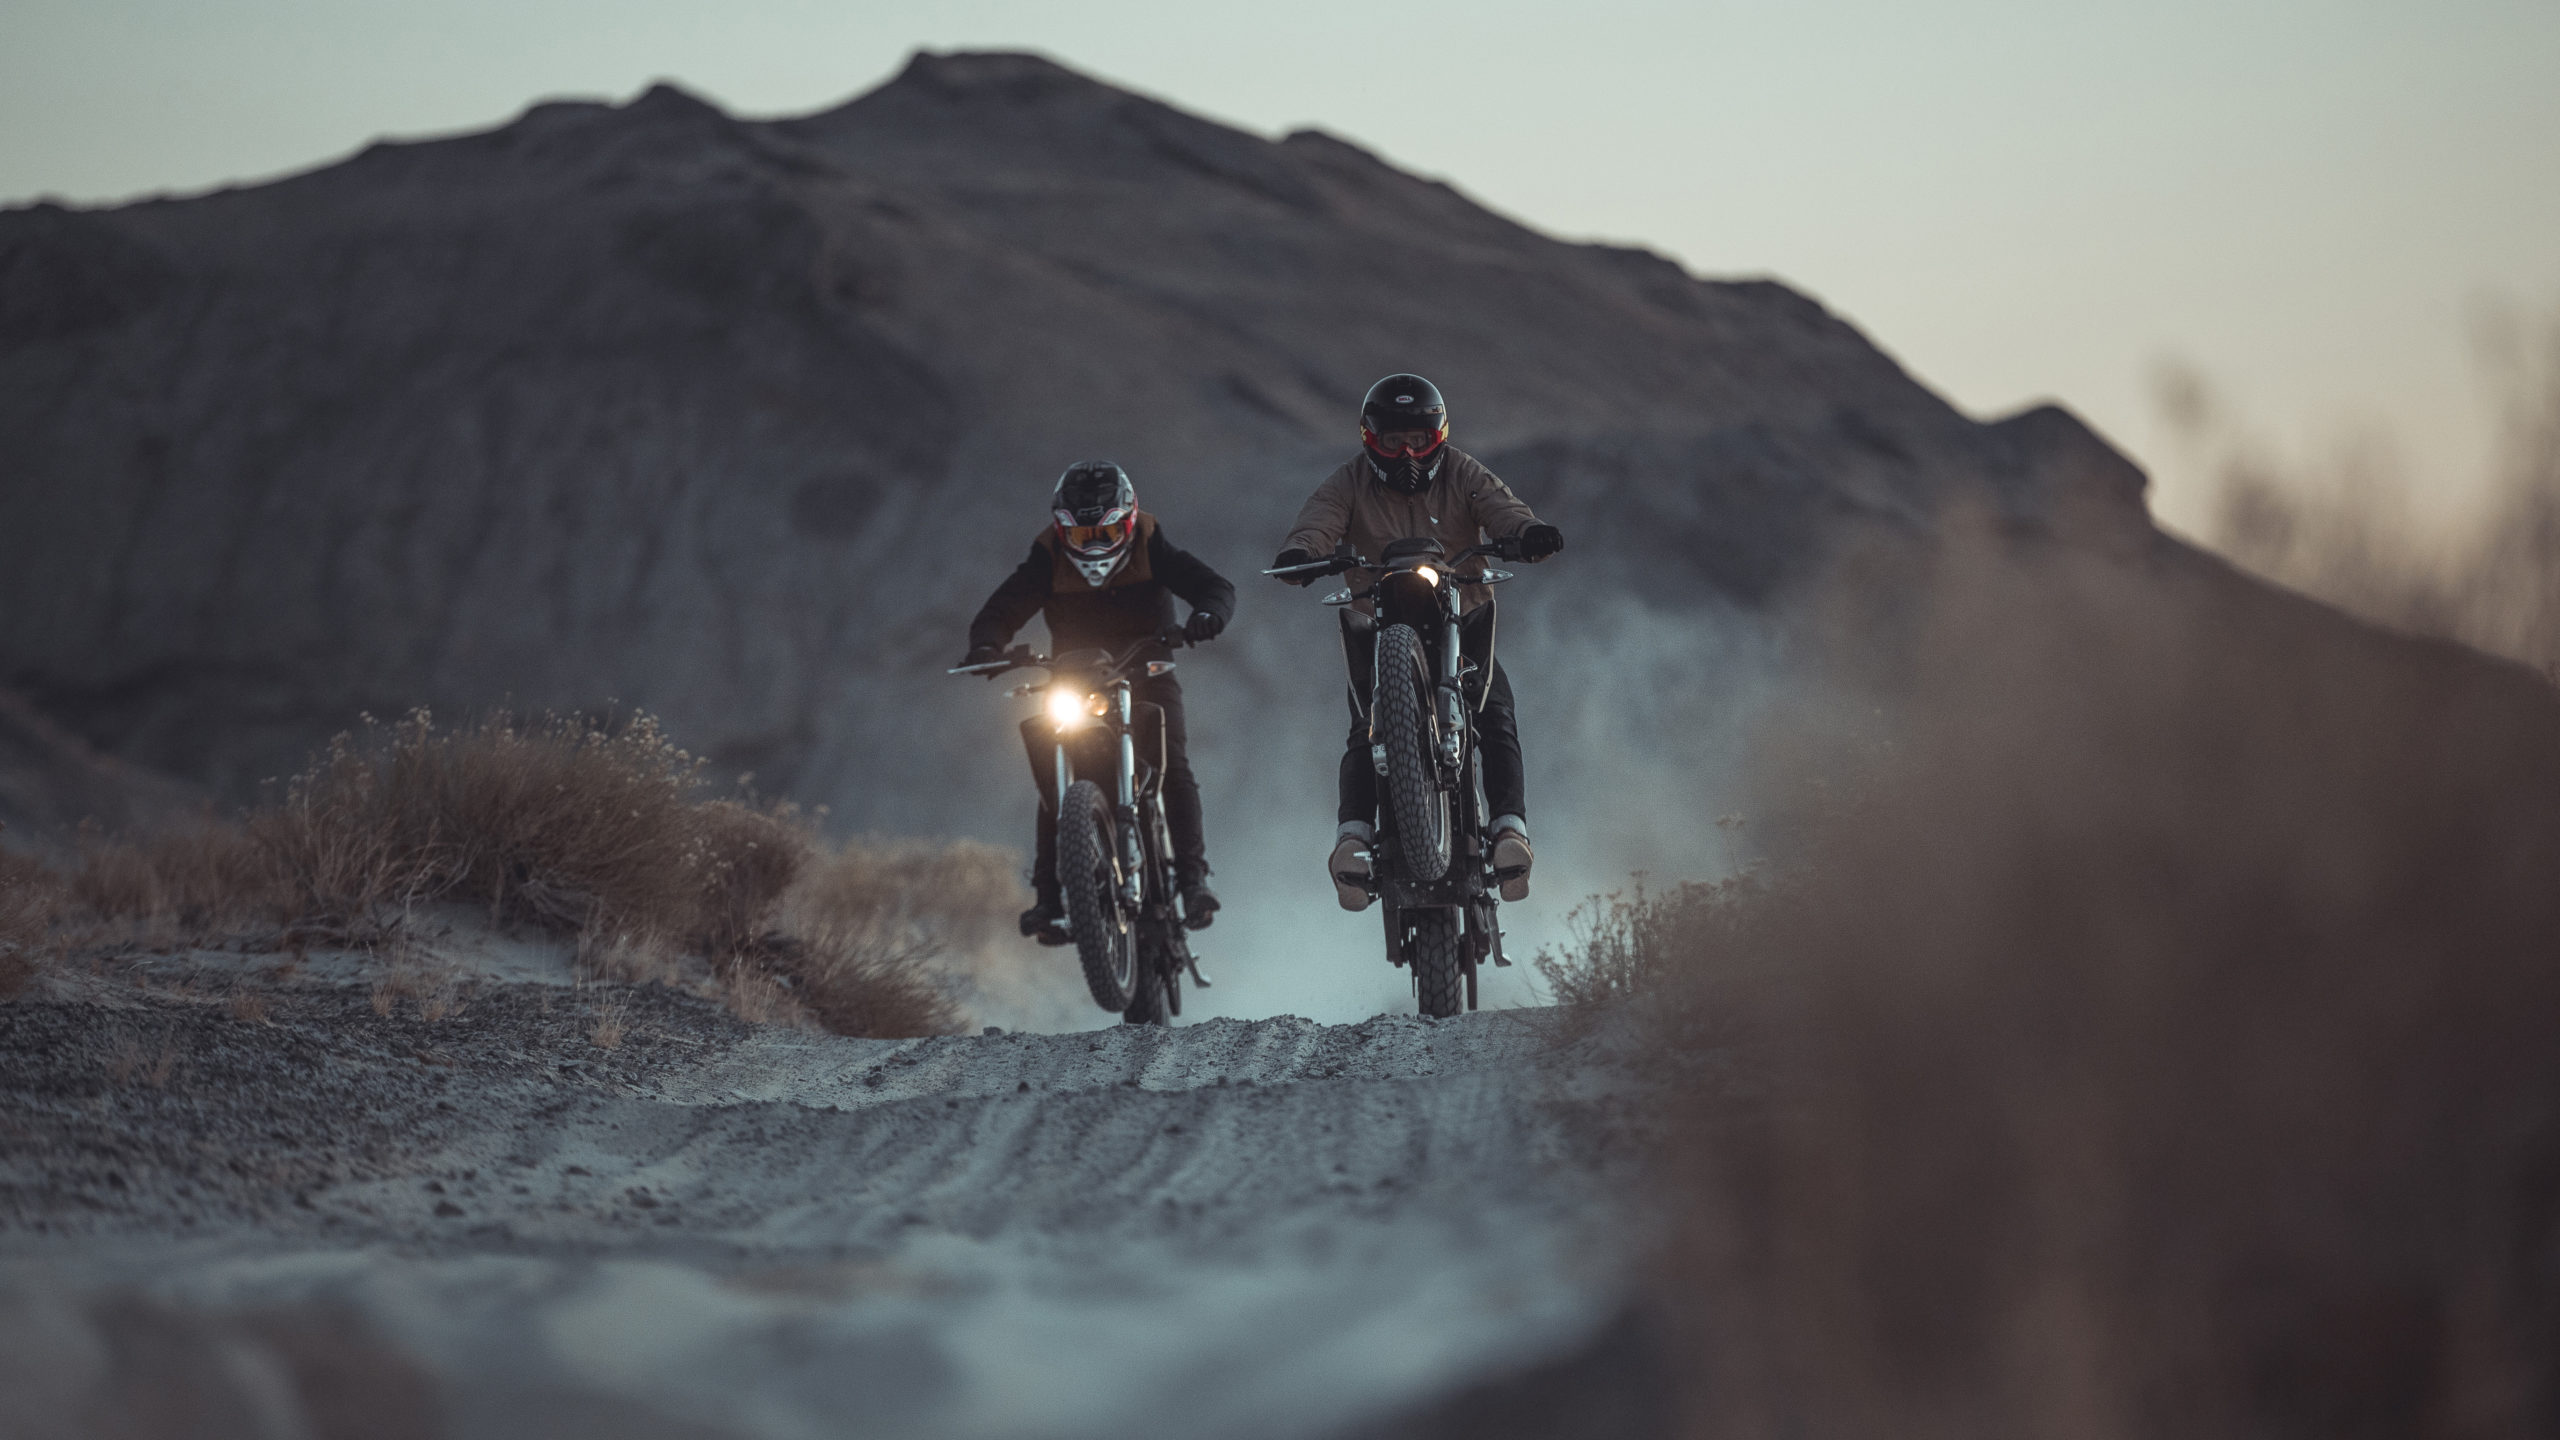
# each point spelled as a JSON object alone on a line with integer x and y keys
{"x": 1408, "y": 482}
{"x": 1460, "y": 505}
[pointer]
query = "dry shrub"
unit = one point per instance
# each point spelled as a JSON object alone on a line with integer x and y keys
{"x": 628, "y": 958}
{"x": 954, "y": 896}
{"x": 742, "y": 861}
{"x": 611, "y": 1020}
{"x": 600, "y": 832}
{"x": 2165, "y": 1047}
{"x": 852, "y": 987}
{"x": 204, "y": 878}
{"x": 563, "y": 824}
{"x": 31, "y": 899}
{"x": 892, "y": 937}
{"x": 755, "y": 993}
{"x": 1689, "y": 966}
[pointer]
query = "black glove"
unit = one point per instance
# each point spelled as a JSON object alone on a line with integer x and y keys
{"x": 1540, "y": 541}
{"x": 1203, "y": 625}
{"x": 982, "y": 654}
{"x": 1292, "y": 556}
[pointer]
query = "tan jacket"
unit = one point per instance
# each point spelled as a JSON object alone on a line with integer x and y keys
{"x": 1466, "y": 504}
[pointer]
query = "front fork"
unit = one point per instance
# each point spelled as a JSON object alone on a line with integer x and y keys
{"x": 1133, "y": 859}
{"x": 1452, "y": 696}
{"x": 1133, "y": 855}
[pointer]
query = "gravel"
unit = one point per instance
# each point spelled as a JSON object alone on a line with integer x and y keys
{"x": 227, "y": 1194}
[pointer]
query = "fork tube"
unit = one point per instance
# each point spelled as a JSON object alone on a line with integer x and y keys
{"x": 1128, "y": 752}
{"x": 1066, "y": 777}
{"x": 1133, "y": 847}
{"x": 1453, "y": 708}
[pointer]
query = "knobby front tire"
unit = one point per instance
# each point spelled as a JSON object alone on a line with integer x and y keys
{"x": 1089, "y": 881}
{"x": 1417, "y": 806}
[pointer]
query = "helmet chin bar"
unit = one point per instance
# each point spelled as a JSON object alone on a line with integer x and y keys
{"x": 1407, "y": 476}
{"x": 1095, "y": 571}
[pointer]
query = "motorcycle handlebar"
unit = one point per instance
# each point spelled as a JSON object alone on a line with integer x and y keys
{"x": 1506, "y": 549}
{"x": 1020, "y": 657}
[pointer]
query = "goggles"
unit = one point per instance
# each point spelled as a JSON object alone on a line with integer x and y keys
{"x": 1401, "y": 442}
{"x": 1115, "y": 531}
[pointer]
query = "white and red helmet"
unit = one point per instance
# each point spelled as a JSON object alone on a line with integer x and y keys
{"x": 1096, "y": 512}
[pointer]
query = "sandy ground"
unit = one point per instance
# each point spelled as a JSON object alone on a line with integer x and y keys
{"x": 323, "y": 1205}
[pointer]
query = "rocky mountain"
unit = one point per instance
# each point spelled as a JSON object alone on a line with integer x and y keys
{"x": 736, "y": 421}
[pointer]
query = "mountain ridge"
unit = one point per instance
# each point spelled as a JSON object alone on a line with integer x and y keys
{"x": 735, "y": 419}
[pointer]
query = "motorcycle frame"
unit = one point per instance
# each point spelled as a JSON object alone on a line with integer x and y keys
{"x": 1138, "y": 823}
{"x": 1119, "y": 716}
{"x": 1400, "y": 596}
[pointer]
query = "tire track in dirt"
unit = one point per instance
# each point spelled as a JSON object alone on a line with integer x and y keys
{"x": 1229, "y": 1228}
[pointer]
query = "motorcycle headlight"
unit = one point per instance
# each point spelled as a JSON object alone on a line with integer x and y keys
{"x": 1429, "y": 575}
{"x": 1067, "y": 708}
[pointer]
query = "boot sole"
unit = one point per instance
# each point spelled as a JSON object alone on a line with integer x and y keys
{"x": 1511, "y": 861}
{"x": 1351, "y": 888}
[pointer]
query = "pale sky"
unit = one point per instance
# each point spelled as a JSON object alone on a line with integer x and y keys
{"x": 2019, "y": 198}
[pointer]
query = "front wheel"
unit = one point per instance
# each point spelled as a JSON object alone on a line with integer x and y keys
{"x": 1417, "y": 804}
{"x": 1089, "y": 881}
{"x": 1431, "y": 952}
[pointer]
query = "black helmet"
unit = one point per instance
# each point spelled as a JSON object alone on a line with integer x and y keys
{"x": 1096, "y": 511}
{"x": 1403, "y": 424}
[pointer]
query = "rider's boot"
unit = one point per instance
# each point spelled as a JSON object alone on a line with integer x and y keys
{"x": 1199, "y": 902}
{"x": 1046, "y": 921}
{"x": 1349, "y": 865}
{"x": 1512, "y": 856}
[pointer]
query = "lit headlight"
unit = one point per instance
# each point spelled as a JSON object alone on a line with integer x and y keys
{"x": 1429, "y": 575}
{"x": 1066, "y": 708}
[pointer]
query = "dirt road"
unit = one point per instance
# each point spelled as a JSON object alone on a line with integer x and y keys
{"x": 268, "y": 1203}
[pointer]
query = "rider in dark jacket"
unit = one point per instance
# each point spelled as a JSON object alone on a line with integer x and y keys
{"x": 1409, "y": 482}
{"x": 1104, "y": 576}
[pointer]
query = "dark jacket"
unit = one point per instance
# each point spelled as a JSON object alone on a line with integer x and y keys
{"x": 1136, "y": 601}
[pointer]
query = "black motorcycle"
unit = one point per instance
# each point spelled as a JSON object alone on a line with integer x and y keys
{"x": 1432, "y": 860}
{"x": 1115, "y": 854}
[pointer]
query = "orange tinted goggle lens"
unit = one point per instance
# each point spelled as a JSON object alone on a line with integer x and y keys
{"x": 1405, "y": 442}
{"x": 1097, "y": 537}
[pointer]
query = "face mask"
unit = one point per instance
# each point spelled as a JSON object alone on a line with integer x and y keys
{"x": 1409, "y": 475}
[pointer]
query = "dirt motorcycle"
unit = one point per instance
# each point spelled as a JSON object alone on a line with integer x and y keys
{"x": 1432, "y": 860}
{"x": 1115, "y": 852}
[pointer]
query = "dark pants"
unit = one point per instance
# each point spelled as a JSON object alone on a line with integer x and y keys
{"x": 1181, "y": 791}
{"x": 1497, "y": 722}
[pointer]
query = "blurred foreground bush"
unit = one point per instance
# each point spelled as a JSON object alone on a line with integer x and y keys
{"x": 2167, "y": 1044}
